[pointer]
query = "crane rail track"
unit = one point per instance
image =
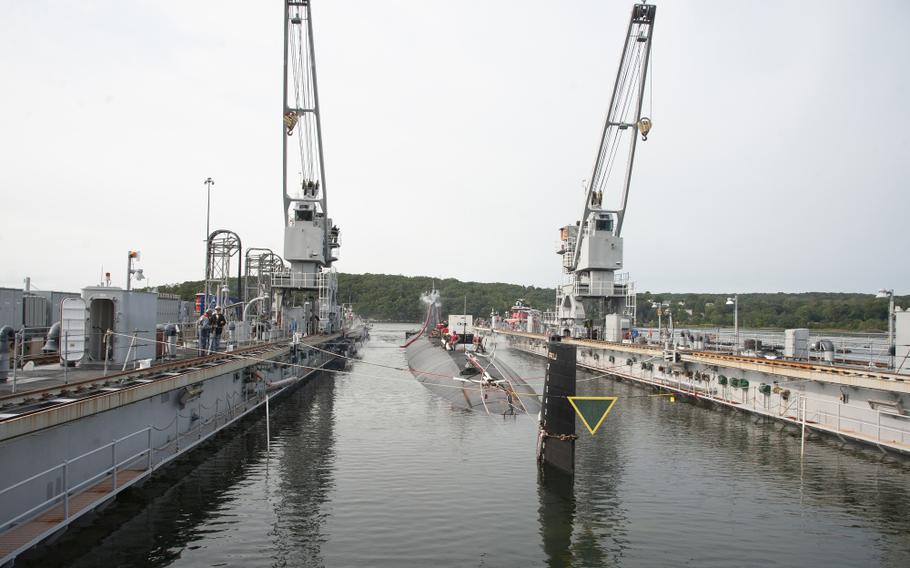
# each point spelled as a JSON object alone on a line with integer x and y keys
{"x": 43, "y": 399}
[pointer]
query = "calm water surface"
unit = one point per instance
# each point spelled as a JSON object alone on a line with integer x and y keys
{"x": 369, "y": 469}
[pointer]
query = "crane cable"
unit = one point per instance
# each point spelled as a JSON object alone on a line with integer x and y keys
{"x": 629, "y": 74}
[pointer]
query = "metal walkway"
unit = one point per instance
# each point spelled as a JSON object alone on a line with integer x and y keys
{"x": 73, "y": 500}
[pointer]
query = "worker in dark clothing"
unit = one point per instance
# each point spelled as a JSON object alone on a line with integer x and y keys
{"x": 205, "y": 331}
{"x": 217, "y": 323}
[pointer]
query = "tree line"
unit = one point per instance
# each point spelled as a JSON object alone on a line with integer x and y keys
{"x": 391, "y": 297}
{"x": 814, "y": 310}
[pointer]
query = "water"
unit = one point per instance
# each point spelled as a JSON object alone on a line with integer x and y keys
{"x": 370, "y": 469}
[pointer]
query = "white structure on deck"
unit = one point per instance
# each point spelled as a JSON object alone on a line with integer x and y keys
{"x": 902, "y": 340}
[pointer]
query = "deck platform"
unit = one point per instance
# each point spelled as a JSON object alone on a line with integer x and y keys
{"x": 20, "y": 537}
{"x": 866, "y": 405}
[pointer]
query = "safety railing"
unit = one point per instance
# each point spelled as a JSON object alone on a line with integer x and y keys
{"x": 871, "y": 425}
{"x": 147, "y": 458}
{"x": 620, "y": 286}
{"x": 67, "y": 491}
{"x": 869, "y": 350}
{"x": 296, "y": 280}
{"x": 853, "y": 420}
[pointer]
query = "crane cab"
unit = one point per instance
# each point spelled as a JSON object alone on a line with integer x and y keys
{"x": 600, "y": 249}
{"x": 304, "y": 236}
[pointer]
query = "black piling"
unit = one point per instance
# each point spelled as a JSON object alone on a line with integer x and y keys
{"x": 556, "y": 446}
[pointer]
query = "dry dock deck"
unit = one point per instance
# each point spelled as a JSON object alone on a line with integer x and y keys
{"x": 858, "y": 404}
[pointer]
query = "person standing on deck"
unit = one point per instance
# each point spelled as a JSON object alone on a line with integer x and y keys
{"x": 218, "y": 323}
{"x": 205, "y": 329}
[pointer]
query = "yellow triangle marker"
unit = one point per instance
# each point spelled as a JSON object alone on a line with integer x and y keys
{"x": 589, "y": 408}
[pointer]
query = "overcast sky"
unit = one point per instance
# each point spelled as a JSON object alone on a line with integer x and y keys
{"x": 457, "y": 135}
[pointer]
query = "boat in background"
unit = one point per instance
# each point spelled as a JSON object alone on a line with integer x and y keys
{"x": 523, "y": 317}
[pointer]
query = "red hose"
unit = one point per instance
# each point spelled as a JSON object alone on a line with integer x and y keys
{"x": 417, "y": 335}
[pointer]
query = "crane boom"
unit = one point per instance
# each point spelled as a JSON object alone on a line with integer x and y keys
{"x": 303, "y": 167}
{"x": 311, "y": 240}
{"x": 622, "y": 122}
{"x": 597, "y": 300}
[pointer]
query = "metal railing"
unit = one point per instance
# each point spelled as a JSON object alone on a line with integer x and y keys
{"x": 296, "y": 280}
{"x": 828, "y": 414}
{"x": 148, "y": 458}
{"x": 620, "y": 286}
{"x": 68, "y": 491}
{"x": 863, "y": 349}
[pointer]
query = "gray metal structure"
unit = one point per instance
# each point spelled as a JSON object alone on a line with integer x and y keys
{"x": 592, "y": 248}
{"x": 259, "y": 266}
{"x": 307, "y": 245}
{"x": 101, "y": 435}
{"x": 11, "y": 307}
{"x": 310, "y": 238}
{"x": 171, "y": 309}
{"x": 54, "y": 298}
{"x": 120, "y": 324}
{"x": 223, "y": 245}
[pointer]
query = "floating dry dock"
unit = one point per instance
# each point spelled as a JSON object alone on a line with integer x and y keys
{"x": 77, "y": 445}
{"x": 868, "y": 406}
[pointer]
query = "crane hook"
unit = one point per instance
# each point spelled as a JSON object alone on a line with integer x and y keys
{"x": 644, "y": 126}
{"x": 290, "y": 121}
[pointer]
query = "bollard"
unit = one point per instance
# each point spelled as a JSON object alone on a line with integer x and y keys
{"x": 556, "y": 439}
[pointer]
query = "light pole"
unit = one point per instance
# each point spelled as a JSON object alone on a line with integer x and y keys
{"x": 660, "y": 328}
{"x": 209, "y": 182}
{"x": 133, "y": 254}
{"x": 734, "y": 301}
{"x": 885, "y": 293}
{"x": 659, "y": 306}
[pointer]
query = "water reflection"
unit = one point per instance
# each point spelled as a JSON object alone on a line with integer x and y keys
{"x": 689, "y": 474}
{"x": 556, "y": 515}
{"x": 306, "y": 479}
{"x": 198, "y": 498}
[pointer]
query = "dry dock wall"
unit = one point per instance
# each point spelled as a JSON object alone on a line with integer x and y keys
{"x": 172, "y": 417}
{"x": 842, "y": 404}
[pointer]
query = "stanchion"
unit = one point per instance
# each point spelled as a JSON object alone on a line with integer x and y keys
{"x": 802, "y": 442}
{"x": 66, "y": 362}
{"x": 267, "y": 433}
